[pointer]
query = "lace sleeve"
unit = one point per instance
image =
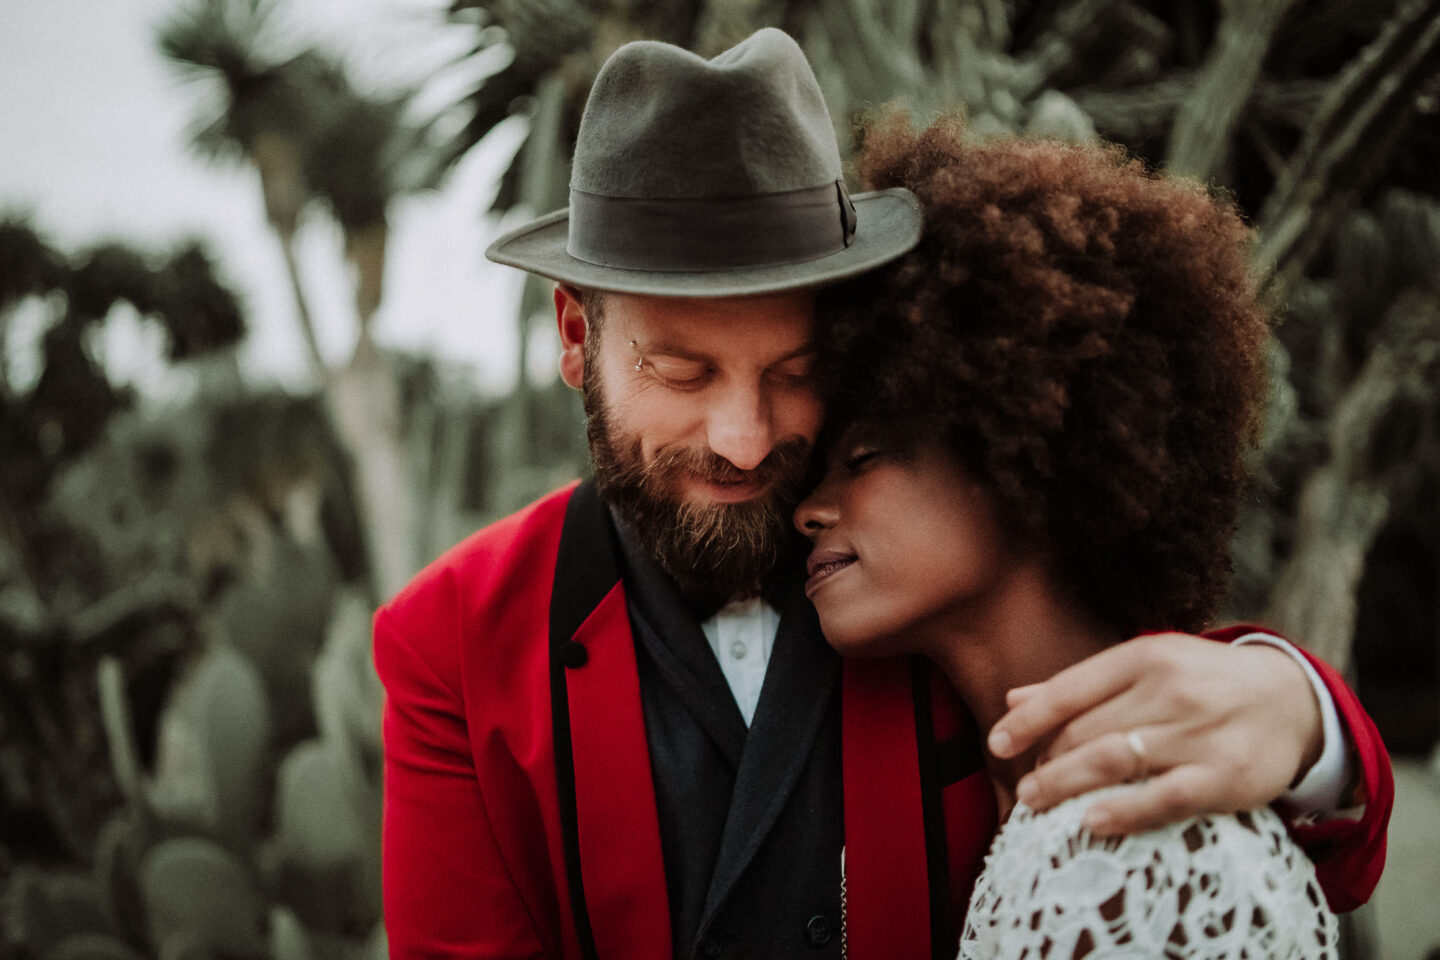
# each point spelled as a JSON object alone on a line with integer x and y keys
{"x": 1221, "y": 887}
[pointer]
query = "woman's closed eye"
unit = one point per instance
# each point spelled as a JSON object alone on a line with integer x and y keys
{"x": 859, "y": 456}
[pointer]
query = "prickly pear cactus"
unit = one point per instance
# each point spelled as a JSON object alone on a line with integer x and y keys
{"x": 347, "y": 691}
{"x": 38, "y": 910}
{"x": 1362, "y": 269}
{"x": 200, "y": 898}
{"x": 327, "y": 838}
{"x": 288, "y": 939}
{"x": 118, "y": 854}
{"x": 1412, "y": 225}
{"x": 276, "y": 616}
{"x": 214, "y": 736}
{"x": 92, "y": 946}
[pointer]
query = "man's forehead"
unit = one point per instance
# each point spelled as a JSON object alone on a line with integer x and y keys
{"x": 783, "y": 311}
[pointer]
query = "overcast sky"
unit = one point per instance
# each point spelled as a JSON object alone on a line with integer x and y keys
{"x": 93, "y": 144}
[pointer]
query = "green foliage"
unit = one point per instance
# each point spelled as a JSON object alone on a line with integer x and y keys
{"x": 222, "y": 44}
{"x": 91, "y": 946}
{"x": 344, "y": 147}
{"x": 118, "y": 855}
{"x": 27, "y": 263}
{"x": 199, "y": 898}
{"x": 43, "y": 908}
{"x": 276, "y": 618}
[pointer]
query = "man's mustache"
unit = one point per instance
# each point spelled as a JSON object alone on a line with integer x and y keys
{"x": 781, "y": 464}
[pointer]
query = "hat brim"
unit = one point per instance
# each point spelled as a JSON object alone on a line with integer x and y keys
{"x": 889, "y": 223}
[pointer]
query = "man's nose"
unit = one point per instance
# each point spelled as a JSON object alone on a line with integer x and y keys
{"x": 740, "y": 427}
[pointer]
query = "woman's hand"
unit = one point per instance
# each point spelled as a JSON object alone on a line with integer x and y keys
{"x": 1214, "y": 727}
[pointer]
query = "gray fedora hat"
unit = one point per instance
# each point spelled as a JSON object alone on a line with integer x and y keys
{"x": 710, "y": 178}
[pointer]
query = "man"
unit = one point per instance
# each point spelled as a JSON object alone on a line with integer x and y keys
{"x": 613, "y": 728}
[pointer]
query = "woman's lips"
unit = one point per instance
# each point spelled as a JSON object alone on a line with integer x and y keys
{"x": 824, "y": 564}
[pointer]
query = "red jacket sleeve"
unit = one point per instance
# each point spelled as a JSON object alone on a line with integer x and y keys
{"x": 1349, "y": 855}
{"x": 447, "y": 892}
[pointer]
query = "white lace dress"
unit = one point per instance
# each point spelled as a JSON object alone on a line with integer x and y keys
{"x": 1232, "y": 887}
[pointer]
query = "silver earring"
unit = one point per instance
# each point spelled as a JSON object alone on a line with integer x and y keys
{"x": 639, "y": 363}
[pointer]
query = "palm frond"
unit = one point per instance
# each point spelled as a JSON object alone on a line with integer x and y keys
{"x": 27, "y": 263}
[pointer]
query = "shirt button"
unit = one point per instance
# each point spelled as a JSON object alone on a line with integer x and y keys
{"x": 737, "y": 649}
{"x": 711, "y": 947}
{"x": 818, "y": 931}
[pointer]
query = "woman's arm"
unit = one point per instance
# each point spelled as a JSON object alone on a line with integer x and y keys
{"x": 1223, "y": 728}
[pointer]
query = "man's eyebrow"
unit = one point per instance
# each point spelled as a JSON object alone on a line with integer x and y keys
{"x": 665, "y": 348}
{"x": 678, "y": 351}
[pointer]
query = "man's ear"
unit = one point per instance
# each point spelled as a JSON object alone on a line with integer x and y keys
{"x": 570, "y": 317}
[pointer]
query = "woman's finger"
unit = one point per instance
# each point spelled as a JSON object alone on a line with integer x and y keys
{"x": 1070, "y": 692}
{"x": 1180, "y": 794}
{"x": 1103, "y": 762}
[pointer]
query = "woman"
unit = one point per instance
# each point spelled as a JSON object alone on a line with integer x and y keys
{"x": 1040, "y": 416}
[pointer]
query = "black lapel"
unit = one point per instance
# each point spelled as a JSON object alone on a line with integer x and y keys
{"x": 585, "y": 571}
{"x": 676, "y": 644}
{"x": 801, "y": 679}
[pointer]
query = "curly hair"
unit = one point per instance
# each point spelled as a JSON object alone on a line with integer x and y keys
{"x": 1084, "y": 337}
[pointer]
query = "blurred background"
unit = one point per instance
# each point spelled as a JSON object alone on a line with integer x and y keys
{"x": 254, "y": 371}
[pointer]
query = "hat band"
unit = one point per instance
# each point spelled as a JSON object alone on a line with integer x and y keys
{"x": 685, "y": 236}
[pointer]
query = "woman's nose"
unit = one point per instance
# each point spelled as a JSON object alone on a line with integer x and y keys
{"x": 816, "y": 513}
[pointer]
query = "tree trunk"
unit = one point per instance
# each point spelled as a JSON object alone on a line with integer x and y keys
{"x": 302, "y": 308}
{"x": 1205, "y": 125}
{"x": 364, "y": 404}
{"x": 1368, "y": 105}
{"x": 1344, "y": 504}
{"x": 543, "y": 188}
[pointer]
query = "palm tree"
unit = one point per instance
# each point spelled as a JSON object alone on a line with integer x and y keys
{"x": 264, "y": 112}
{"x": 312, "y": 136}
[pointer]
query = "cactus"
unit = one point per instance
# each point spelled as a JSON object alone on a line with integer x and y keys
{"x": 119, "y": 731}
{"x": 1362, "y": 270}
{"x": 288, "y": 940}
{"x": 1054, "y": 115}
{"x": 215, "y": 734}
{"x": 276, "y": 618}
{"x": 377, "y": 947}
{"x": 41, "y": 909}
{"x": 316, "y": 821}
{"x": 347, "y": 692}
{"x": 326, "y": 838}
{"x": 198, "y": 897}
{"x": 92, "y": 946}
{"x": 1412, "y": 227}
{"x": 118, "y": 853}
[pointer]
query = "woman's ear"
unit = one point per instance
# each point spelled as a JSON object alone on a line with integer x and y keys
{"x": 570, "y": 316}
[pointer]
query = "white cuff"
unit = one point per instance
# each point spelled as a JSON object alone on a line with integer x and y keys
{"x": 1320, "y": 792}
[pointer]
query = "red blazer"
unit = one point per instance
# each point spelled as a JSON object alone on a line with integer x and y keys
{"x": 520, "y": 815}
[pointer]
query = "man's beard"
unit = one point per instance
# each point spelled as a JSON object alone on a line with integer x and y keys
{"x": 720, "y": 549}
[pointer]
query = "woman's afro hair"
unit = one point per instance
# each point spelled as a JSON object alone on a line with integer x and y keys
{"x": 1084, "y": 337}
